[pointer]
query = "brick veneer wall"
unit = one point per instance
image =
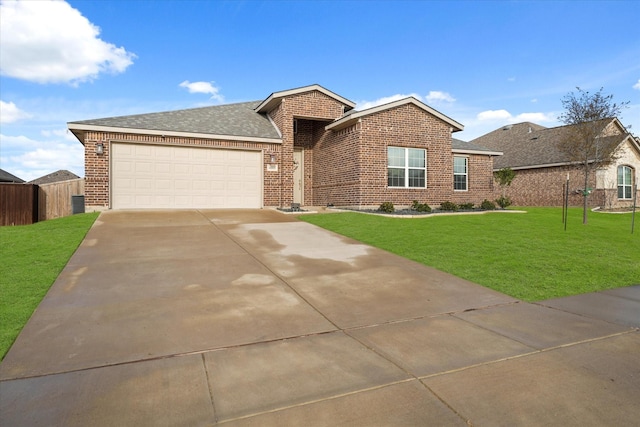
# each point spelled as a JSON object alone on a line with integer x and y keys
{"x": 336, "y": 169}
{"x": 480, "y": 183}
{"x": 411, "y": 127}
{"x": 351, "y": 164}
{"x": 544, "y": 187}
{"x": 313, "y": 106}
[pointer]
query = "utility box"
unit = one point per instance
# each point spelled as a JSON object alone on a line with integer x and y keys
{"x": 77, "y": 204}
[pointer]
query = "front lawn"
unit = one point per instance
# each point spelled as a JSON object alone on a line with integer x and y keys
{"x": 32, "y": 256}
{"x": 528, "y": 256}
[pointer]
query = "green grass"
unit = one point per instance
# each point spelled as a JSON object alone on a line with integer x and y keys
{"x": 528, "y": 256}
{"x": 32, "y": 256}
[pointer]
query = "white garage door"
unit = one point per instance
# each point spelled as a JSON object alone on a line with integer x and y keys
{"x": 154, "y": 176}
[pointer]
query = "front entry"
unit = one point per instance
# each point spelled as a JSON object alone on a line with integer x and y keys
{"x": 298, "y": 176}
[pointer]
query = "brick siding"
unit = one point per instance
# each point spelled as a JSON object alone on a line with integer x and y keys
{"x": 351, "y": 164}
{"x": 544, "y": 187}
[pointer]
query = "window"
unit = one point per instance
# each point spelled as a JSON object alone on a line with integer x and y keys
{"x": 460, "y": 173}
{"x": 624, "y": 182}
{"x": 406, "y": 167}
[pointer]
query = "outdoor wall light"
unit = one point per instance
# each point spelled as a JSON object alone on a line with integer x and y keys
{"x": 99, "y": 148}
{"x": 272, "y": 158}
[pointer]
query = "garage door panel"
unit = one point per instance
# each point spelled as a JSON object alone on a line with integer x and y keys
{"x": 141, "y": 150}
{"x": 148, "y": 176}
{"x": 163, "y": 168}
{"x": 164, "y": 184}
{"x": 200, "y": 186}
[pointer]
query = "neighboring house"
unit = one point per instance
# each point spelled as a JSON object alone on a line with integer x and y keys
{"x": 541, "y": 169}
{"x": 306, "y": 145}
{"x": 58, "y": 176}
{"x": 6, "y": 177}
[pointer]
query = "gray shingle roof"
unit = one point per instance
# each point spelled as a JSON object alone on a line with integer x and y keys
{"x": 61, "y": 175}
{"x": 458, "y": 144}
{"x": 7, "y": 177}
{"x": 238, "y": 119}
{"x": 529, "y": 145}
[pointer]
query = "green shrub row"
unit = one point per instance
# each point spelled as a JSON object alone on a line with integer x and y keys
{"x": 486, "y": 205}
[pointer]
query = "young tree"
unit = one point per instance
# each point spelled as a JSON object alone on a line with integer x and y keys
{"x": 504, "y": 177}
{"x": 584, "y": 142}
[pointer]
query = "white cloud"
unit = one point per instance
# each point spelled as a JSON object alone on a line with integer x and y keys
{"x": 363, "y": 105}
{"x": 494, "y": 115}
{"x": 10, "y": 113}
{"x": 51, "y": 42}
{"x": 534, "y": 118}
{"x": 60, "y": 133}
{"x": 203, "y": 87}
{"x": 511, "y": 79}
{"x": 11, "y": 143}
{"x": 29, "y": 158}
{"x": 505, "y": 116}
{"x": 435, "y": 96}
{"x": 637, "y": 85}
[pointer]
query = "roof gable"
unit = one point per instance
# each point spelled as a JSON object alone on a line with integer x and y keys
{"x": 353, "y": 117}
{"x": 275, "y": 98}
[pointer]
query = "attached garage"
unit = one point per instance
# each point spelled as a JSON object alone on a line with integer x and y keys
{"x": 147, "y": 176}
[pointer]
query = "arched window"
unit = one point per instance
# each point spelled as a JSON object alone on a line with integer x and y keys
{"x": 625, "y": 175}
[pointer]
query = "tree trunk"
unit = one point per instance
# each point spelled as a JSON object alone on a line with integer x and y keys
{"x": 585, "y": 193}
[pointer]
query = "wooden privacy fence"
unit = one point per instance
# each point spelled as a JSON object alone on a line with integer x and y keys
{"x": 22, "y": 204}
{"x": 54, "y": 199}
{"x": 18, "y": 204}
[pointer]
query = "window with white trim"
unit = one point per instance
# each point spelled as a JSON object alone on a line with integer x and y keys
{"x": 460, "y": 173}
{"x": 406, "y": 167}
{"x": 625, "y": 174}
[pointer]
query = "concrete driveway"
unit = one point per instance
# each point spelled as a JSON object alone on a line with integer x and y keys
{"x": 189, "y": 318}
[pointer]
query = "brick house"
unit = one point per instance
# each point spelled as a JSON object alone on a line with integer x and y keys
{"x": 306, "y": 145}
{"x": 541, "y": 169}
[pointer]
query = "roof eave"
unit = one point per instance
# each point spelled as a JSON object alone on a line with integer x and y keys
{"x": 542, "y": 165}
{"x": 482, "y": 152}
{"x": 73, "y": 127}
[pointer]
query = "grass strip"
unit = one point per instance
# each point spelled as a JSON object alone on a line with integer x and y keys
{"x": 32, "y": 257}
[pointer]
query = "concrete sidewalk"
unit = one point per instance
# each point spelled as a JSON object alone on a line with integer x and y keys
{"x": 254, "y": 318}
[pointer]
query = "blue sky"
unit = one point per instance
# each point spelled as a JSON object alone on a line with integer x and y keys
{"x": 485, "y": 64}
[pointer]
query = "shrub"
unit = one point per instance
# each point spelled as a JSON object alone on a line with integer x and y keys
{"x": 487, "y": 205}
{"x": 420, "y": 207}
{"x": 387, "y": 207}
{"x": 466, "y": 206}
{"x": 503, "y": 201}
{"x": 448, "y": 206}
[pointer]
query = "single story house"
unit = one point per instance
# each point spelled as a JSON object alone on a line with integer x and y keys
{"x": 541, "y": 169}
{"x": 306, "y": 145}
